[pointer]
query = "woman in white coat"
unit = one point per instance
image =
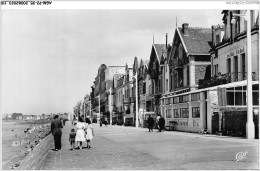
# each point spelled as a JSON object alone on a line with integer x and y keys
{"x": 80, "y": 135}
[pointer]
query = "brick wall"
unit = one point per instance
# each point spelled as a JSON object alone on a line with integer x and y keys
{"x": 200, "y": 71}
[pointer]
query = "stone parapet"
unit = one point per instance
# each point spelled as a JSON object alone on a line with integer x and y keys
{"x": 35, "y": 159}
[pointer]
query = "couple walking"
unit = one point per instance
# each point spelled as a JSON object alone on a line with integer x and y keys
{"x": 160, "y": 122}
{"x": 85, "y": 132}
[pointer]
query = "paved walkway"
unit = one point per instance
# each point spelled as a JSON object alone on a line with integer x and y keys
{"x": 128, "y": 148}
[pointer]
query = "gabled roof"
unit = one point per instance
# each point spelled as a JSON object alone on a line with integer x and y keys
{"x": 160, "y": 49}
{"x": 198, "y": 40}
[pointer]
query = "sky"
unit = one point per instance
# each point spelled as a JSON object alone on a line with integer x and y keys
{"x": 50, "y": 58}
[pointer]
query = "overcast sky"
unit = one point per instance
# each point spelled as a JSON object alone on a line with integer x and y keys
{"x": 51, "y": 57}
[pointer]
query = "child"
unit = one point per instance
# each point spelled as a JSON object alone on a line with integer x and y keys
{"x": 72, "y": 139}
{"x": 89, "y": 133}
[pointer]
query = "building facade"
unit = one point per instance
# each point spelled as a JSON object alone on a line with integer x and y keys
{"x": 188, "y": 61}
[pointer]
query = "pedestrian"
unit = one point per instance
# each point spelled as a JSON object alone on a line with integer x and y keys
{"x": 150, "y": 122}
{"x": 106, "y": 121}
{"x": 100, "y": 122}
{"x": 161, "y": 124}
{"x": 56, "y": 131}
{"x": 87, "y": 120}
{"x": 89, "y": 132}
{"x": 80, "y": 135}
{"x": 157, "y": 121}
{"x": 72, "y": 139}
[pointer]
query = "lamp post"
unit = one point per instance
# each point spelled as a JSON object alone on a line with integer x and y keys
{"x": 90, "y": 108}
{"x": 110, "y": 105}
{"x": 250, "y": 127}
{"x": 136, "y": 101}
{"x": 99, "y": 106}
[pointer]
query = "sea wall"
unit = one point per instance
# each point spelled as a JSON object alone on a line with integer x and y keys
{"x": 35, "y": 159}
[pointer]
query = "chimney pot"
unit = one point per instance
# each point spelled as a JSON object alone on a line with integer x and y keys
{"x": 185, "y": 27}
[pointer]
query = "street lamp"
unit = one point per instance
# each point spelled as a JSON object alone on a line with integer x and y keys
{"x": 250, "y": 127}
{"x": 136, "y": 101}
{"x": 110, "y": 105}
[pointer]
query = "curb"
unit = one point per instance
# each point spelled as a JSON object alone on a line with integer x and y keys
{"x": 35, "y": 159}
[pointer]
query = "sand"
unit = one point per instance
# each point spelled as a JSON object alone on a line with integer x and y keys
{"x": 19, "y": 138}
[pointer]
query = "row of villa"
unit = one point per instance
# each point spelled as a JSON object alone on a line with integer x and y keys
{"x": 197, "y": 82}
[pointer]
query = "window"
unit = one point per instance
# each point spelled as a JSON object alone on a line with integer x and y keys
{"x": 180, "y": 51}
{"x": 176, "y": 113}
{"x": 171, "y": 100}
{"x": 167, "y": 101}
{"x": 166, "y": 84}
{"x": 243, "y": 65}
{"x": 188, "y": 75}
{"x": 235, "y": 68}
{"x": 185, "y": 98}
{"x": 255, "y": 89}
{"x": 229, "y": 65}
{"x": 236, "y": 96}
{"x": 195, "y": 112}
{"x": 144, "y": 88}
{"x": 216, "y": 69}
{"x": 184, "y": 113}
{"x": 175, "y": 100}
{"x": 195, "y": 97}
{"x": 180, "y": 99}
{"x": 169, "y": 113}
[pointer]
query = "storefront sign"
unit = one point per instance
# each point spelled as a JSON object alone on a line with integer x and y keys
{"x": 236, "y": 52}
{"x": 182, "y": 122}
{"x": 196, "y": 123}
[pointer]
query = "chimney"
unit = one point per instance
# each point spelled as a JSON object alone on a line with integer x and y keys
{"x": 166, "y": 39}
{"x": 185, "y": 29}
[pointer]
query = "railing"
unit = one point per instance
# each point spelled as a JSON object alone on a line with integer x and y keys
{"x": 226, "y": 78}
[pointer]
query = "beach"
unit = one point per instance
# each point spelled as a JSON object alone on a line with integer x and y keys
{"x": 19, "y": 137}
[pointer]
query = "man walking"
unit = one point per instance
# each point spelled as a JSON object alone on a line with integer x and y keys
{"x": 161, "y": 123}
{"x": 56, "y": 126}
{"x": 150, "y": 122}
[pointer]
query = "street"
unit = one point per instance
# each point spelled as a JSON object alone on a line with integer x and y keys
{"x": 128, "y": 148}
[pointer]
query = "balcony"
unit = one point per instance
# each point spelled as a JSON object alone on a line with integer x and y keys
{"x": 226, "y": 78}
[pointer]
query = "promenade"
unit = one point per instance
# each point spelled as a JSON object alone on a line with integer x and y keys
{"x": 128, "y": 148}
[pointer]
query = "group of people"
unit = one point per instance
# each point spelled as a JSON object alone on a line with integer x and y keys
{"x": 84, "y": 132}
{"x": 160, "y": 121}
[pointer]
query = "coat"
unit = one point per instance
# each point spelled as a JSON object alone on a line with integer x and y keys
{"x": 56, "y": 126}
{"x": 150, "y": 121}
{"x": 161, "y": 122}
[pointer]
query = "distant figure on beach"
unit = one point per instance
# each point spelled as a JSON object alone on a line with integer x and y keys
{"x": 56, "y": 131}
{"x": 89, "y": 132}
{"x": 80, "y": 135}
{"x": 150, "y": 123}
{"x": 72, "y": 139}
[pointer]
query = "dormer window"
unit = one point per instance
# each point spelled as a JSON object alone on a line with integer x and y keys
{"x": 180, "y": 51}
